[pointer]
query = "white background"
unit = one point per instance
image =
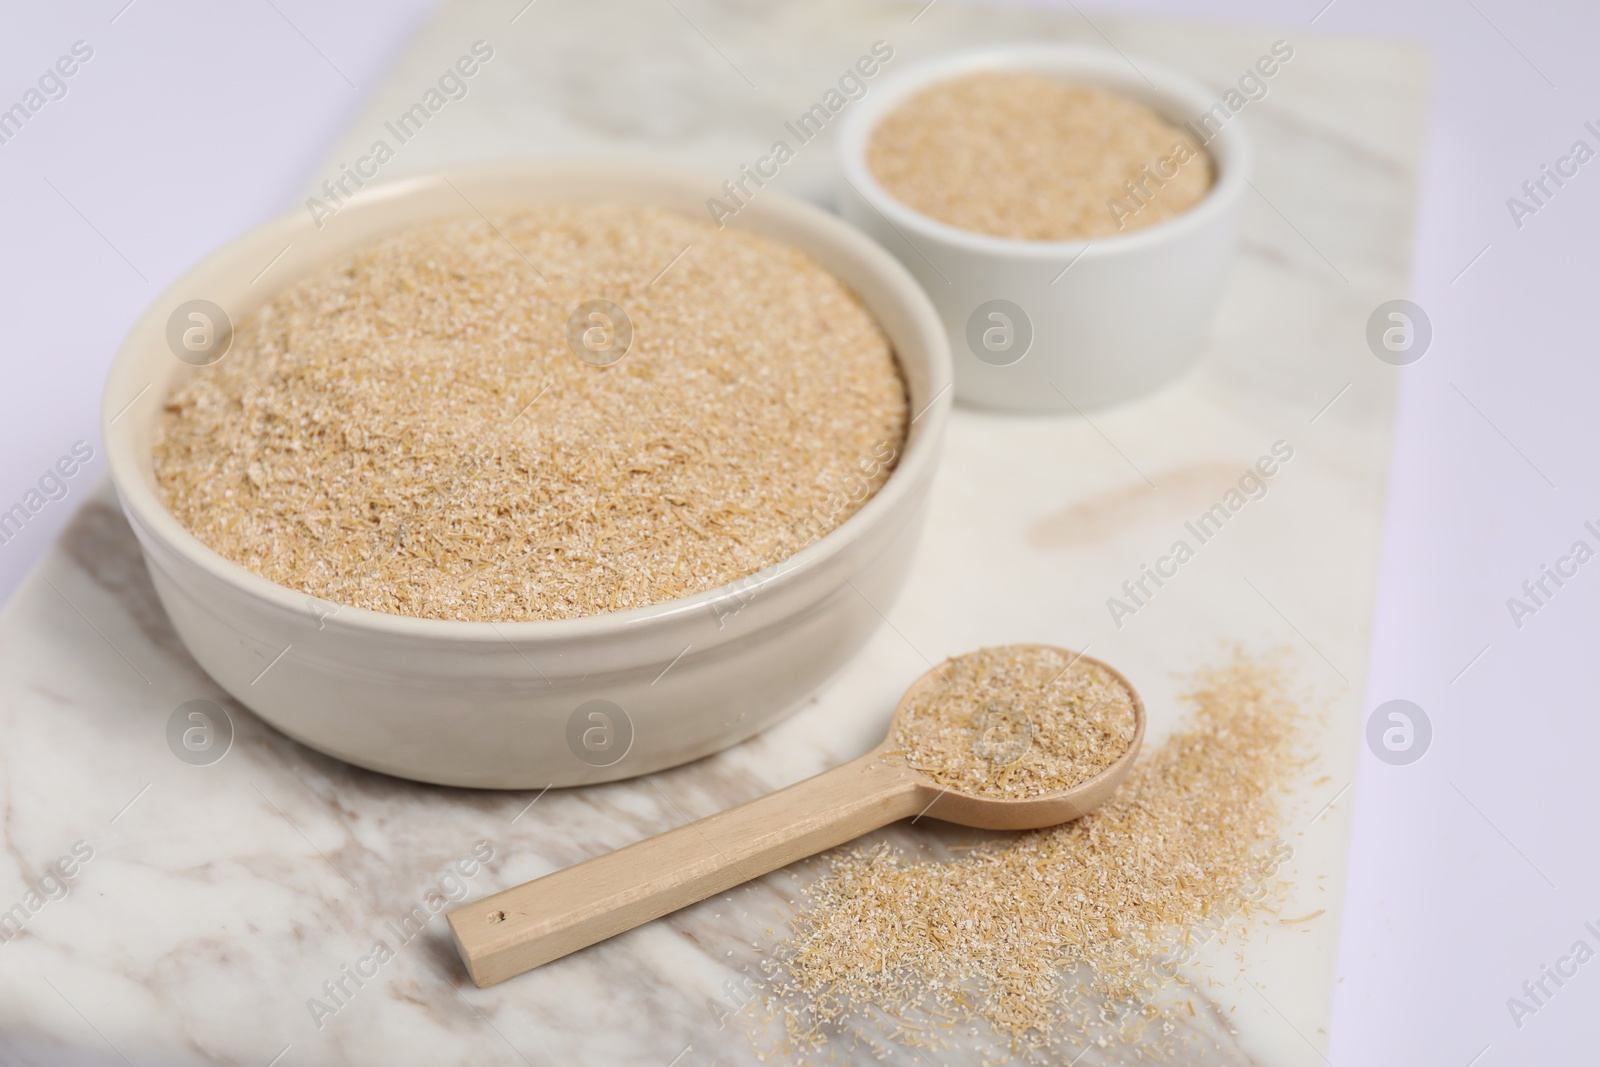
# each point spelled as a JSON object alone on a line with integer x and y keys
{"x": 1471, "y": 868}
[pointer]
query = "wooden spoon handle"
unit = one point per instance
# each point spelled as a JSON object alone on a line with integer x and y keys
{"x": 524, "y": 927}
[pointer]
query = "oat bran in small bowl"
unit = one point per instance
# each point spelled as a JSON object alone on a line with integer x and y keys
{"x": 1057, "y": 296}
{"x": 1025, "y": 156}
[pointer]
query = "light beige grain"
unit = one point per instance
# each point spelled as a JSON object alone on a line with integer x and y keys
{"x": 1016, "y": 722}
{"x": 408, "y": 431}
{"x": 1025, "y": 156}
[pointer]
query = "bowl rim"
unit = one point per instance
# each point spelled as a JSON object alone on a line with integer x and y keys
{"x": 1229, "y": 148}
{"x": 918, "y": 452}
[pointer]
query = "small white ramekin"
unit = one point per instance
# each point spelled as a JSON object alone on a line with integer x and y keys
{"x": 1090, "y": 323}
{"x": 526, "y": 704}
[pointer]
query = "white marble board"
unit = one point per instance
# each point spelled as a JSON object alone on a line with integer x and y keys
{"x": 218, "y": 899}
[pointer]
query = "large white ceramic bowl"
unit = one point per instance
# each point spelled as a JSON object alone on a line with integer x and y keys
{"x": 526, "y": 704}
{"x": 1082, "y": 324}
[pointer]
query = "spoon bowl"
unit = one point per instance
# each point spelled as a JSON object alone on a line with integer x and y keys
{"x": 1007, "y": 813}
{"x": 529, "y": 925}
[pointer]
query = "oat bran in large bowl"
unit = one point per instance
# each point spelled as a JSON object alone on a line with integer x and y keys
{"x": 528, "y": 474}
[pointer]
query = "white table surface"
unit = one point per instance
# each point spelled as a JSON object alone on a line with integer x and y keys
{"x": 1468, "y": 868}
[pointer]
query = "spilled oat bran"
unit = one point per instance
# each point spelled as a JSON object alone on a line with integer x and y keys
{"x": 1053, "y": 939}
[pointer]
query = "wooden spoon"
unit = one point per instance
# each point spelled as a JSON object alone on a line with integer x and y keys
{"x": 529, "y": 925}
